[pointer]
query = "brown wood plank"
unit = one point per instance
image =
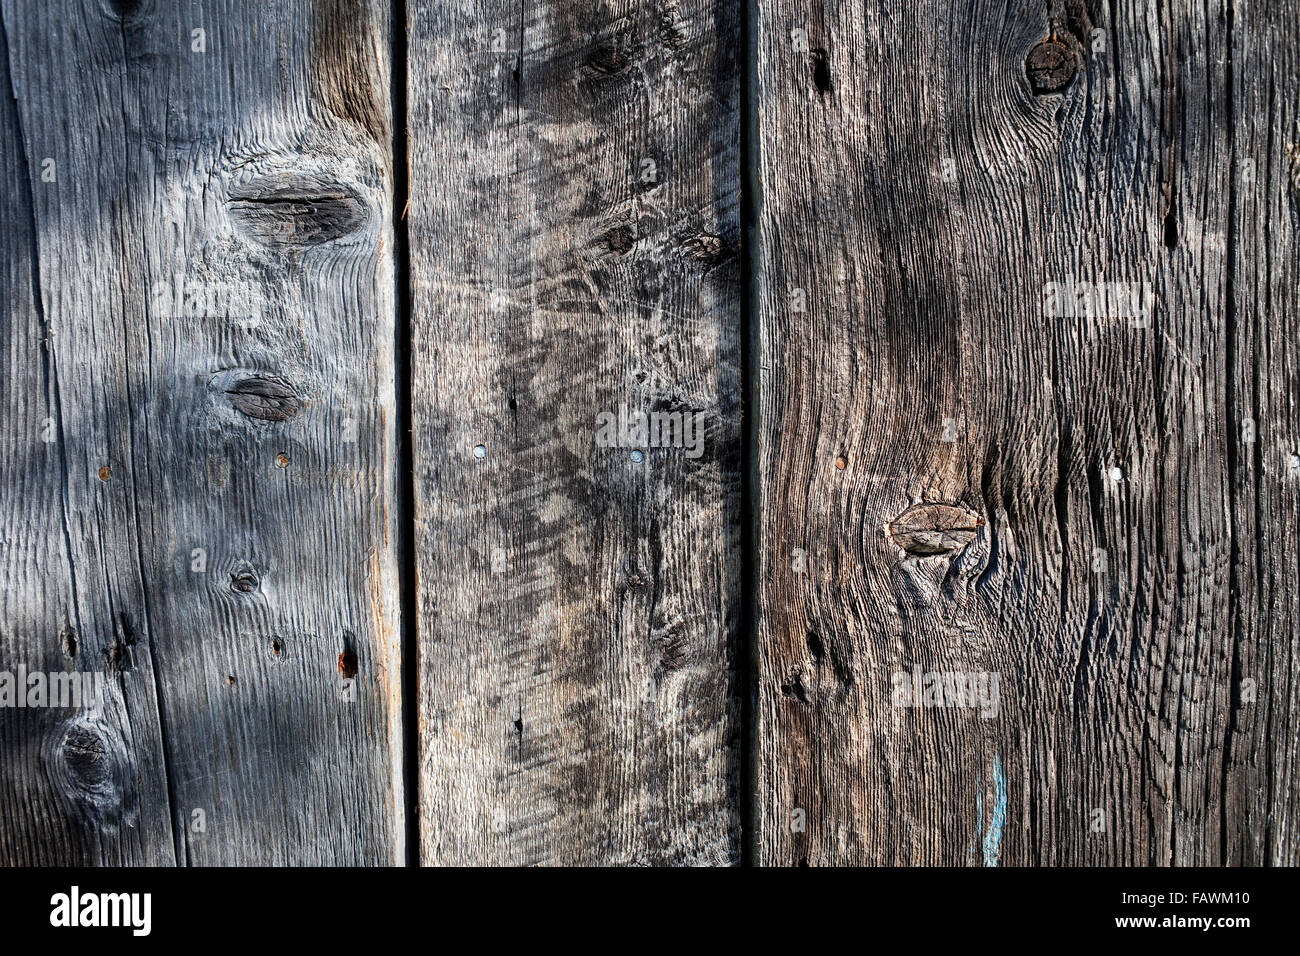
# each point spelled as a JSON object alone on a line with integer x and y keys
{"x": 1112, "y": 542}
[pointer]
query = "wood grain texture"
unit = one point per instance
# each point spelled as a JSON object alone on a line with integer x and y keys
{"x": 1261, "y": 809}
{"x": 574, "y": 227}
{"x": 1136, "y": 480}
{"x": 199, "y": 486}
{"x": 1026, "y": 577}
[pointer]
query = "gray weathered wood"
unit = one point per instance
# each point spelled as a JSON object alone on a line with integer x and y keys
{"x": 199, "y": 479}
{"x": 575, "y": 235}
{"x": 1261, "y": 801}
{"x": 1126, "y": 553}
{"x": 200, "y": 321}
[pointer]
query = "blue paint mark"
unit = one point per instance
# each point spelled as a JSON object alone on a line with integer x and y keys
{"x": 993, "y": 839}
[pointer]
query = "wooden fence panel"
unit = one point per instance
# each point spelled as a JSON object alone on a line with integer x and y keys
{"x": 960, "y": 475}
{"x": 1026, "y": 453}
{"x": 575, "y": 252}
{"x": 200, "y": 477}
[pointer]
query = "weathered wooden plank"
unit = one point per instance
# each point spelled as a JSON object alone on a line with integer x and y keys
{"x": 1261, "y": 801}
{"x": 574, "y": 242}
{"x": 199, "y": 495}
{"x": 1113, "y": 537}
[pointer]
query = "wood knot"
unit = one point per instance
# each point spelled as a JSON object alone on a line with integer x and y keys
{"x": 244, "y": 579}
{"x": 705, "y": 248}
{"x": 68, "y": 640}
{"x": 607, "y": 61}
{"x": 1050, "y": 66}
{"x": 268, "y": 399}
{"x": 674, "y": 649}
{"x": 793, "y": 686}
{"x": 620, "y": 240}
{"x": 86, "y": 756}
{"x": 348, "y": 664}
{"x": 670, "y": 33}
{"x": 88, "y": 766}
{"x": 934, "y": 528}
{"x": 296, "y": 210}
{"x": 821, "y": 71}
{"x": 124, "y": 10}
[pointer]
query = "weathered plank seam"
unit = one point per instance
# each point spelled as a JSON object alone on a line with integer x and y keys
{"x": 747, "y": 656}
{"x": 405, "y": 410}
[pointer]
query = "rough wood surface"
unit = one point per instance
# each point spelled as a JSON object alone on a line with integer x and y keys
{"x": 574, "y": 227}
{"x": 1025, "y": 575}
{"x": 924, "y": 176}
{"x": 199, "y": 482}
